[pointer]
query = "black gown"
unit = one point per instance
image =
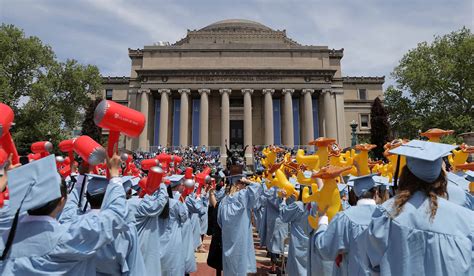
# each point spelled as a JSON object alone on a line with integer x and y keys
{"x": 214, "y": 259}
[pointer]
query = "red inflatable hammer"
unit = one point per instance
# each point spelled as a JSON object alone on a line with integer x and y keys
{"x": 118, "y": 119}
{"x": 6, "y": 141}
{"x": 68, "y": 146}
{"x": 89, "y": 150}
{"x": 43, "y": 148}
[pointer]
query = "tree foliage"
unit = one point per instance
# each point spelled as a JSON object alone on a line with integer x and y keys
{"x": 379, "y": 127}
{"x": 88, "y": 126}
{"x": 435, "y": 86}
{"x": 47, "y": 95}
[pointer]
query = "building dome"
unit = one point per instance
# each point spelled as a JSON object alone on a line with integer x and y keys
{"x": 235, "y": 24}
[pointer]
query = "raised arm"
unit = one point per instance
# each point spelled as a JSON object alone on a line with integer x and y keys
{"x": 153, "y": 205}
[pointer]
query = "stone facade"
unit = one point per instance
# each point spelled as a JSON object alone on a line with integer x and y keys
{"x": 240, "y": 76}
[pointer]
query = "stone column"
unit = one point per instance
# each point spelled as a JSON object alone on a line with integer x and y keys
{"x": 248, "y": 124}
{"x": 329, "y": 114}
{"x": 143, "y": 139}
{"x": 184, "y": 117}
{"x": 340, "y": 117}
{"x": 308, "y": 116}
{"x": 268, "y": 116}
{"x": 225, "y": 123}
{"x": 288, "y": 134}
{"x": 164, "y": 115}
{"x": 204, "y": 117}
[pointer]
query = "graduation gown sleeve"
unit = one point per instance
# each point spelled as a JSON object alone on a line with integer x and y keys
{"x": 84, "y": 235}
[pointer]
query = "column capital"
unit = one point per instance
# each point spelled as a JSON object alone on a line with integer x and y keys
{"x": 326, "y": 90}
{"x": 164, "y": 91}
{"x": 247, "y": 90}
{"x": 268, "y": 90}
{"x": 288, "y": 90}
{"x": 307, "y": 90}
{"x": 204, "y": 90}
{"x": 184, "y": 90}
{"x": 225, "y": 90}
{"x": 144, "y": 90}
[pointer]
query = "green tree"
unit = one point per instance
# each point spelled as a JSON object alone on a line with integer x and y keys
{"x": 435, "y": 86}
{"x": 379, "y": 128}
{"x": 47, "y": 95}
{"x": 88, "y": 126}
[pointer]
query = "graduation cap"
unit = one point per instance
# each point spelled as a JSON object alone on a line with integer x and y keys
{"x": 342, "y": 189}
{"x": 175, "y": 180}
{"x": 470, "y": 176}
{"x": 362, "y": 184}
{"x": 127, "y": 182}
{"x": 458, "y": 180}
{"x": 31, "y": 186}
{"x": 424, "y": 158}
{"x": 96, "y": 184}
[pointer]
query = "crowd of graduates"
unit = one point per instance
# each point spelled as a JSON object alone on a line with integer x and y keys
{"x": 325, "y": 213}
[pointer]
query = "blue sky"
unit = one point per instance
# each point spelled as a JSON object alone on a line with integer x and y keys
{"x": 374, "y": 33}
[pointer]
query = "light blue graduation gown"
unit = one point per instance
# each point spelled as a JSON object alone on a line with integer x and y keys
{"x": 146, "y": 211}
{"x": 188, "y": 242}
{"x": 237, "y": 243}
{"x": 195, "y": 209}
{"x": 295, "y": 213}
{"x": 203, "y": 219}
{"x": 412, "y": 244}
{"x": 120, "y": 257}
{"x": 460, "y": 196}
{"x": 317, "y": 266}
{"x": 43, "y": 246}
{"x": 277, "y": 229}
{"x": 171, "y": 241}
{"x": 343, "y": 236}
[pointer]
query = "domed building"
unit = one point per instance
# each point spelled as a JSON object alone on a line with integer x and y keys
{"x": 239, "y": 82}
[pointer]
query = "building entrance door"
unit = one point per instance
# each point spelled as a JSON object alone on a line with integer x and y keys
{"x": 236, "y": 133}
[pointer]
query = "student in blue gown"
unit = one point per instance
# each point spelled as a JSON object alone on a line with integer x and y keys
{"x": 419, "y": 232}
{"x": 171, "y": 221}
{"x": 195, "y": 210}
{"x": 277, "y": 229}
{"x": 146, "y": 211}
{"x": 340, "y": 239}
{"x": 457, "y": 189}
{"x": 38, "y": 244}
{"x": 294, "y": 212}
{"x": 234, "y": 219}
{"x": 123, "y": 255}
{"x": 203, "y": 219}
{"x": 316, "y": 265}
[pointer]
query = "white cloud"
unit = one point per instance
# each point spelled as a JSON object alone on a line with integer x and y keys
{"x": 375, "y": 34}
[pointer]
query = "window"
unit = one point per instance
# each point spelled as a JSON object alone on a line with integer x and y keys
{"x": 235, "y": 102}
{"x": 364, "y": 120}
{"x": 363, "y": 94}
{"x": 108, "y": 94}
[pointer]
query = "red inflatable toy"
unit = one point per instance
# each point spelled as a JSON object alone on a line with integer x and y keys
{"x": 43, "y": 148}
{"x": 6, "y": 141}
{"x": 89, "y": 150}
{"x": 118, "y": 119}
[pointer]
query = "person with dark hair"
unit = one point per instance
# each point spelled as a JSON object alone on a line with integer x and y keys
{"x": 39, "y": 244}
{"x": 339, "y": 240}
{"x": 146, "y": 212}
{"x": 233, "y": 217}
{"x": 294, "y": 213}
{"x": 171, "y": 241}
{"x": 419, "y": 232}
